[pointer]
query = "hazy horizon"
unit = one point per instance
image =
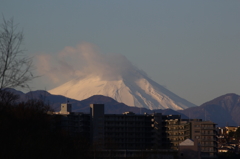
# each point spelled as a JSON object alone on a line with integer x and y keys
{"x": 190, "y": 47}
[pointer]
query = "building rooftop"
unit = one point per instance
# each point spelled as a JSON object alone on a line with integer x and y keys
{"x": 187, "y": 142}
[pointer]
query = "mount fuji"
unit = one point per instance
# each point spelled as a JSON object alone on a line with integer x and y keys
{"x": 135, "y": 89}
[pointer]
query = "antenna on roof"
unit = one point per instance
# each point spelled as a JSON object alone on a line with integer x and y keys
{"x": 205, "y": 115}
{"x": 67, "y": 101}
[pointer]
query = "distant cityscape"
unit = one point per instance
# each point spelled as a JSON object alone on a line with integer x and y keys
{"x": 130, "y": 134}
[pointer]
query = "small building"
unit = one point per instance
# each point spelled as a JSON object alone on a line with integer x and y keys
{"x": 189, "y": 149}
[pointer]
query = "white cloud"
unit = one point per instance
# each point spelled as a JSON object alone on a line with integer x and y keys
{"x": 81, "y": 61}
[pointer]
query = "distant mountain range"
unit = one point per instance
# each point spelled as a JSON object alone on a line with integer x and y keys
{"x": 223, "y": 110}
{"x": 111, "y": 105}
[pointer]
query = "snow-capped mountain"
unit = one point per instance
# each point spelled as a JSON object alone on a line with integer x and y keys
{"x": 134, "y": 90}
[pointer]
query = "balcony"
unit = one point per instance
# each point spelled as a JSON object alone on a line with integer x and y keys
{"x": 179, "y": 135}
{"x": 210, "y": 145}
{"x": 211, "y": 128}
{"x": 208, "y": 150}
{"x": 208, "y": 134}
{"x": 180, "y": 130}
{"x": 210, "y": 139}
{"x": 208, "y": 156}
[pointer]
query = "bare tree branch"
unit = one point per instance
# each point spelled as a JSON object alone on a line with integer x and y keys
{"x": 15, "y": 68}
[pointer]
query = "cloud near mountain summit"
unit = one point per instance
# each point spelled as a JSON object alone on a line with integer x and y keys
{"x": 81, "y": 61}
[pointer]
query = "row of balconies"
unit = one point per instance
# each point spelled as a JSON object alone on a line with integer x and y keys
{"x": 128, "y": 136}
{"x": 81, "y": 119}
{"x": 187, "y": 134}
{"x": 132, "y": 146}
{"x": 176, "y": 124}
{"x": 211, "y": 134}
{"x": 131, "y": 141}
{"x": 127, "y": 123}
{"x": 210, "y": 155}
{"x": 176, "y": 130}
{"x": 208, "y": 139}
{"x": 75, "y": 122}
{"x": 141, "y": 128}
{"x": 208, "y": 150}
{"x": 209, "y": 145}
{"x": 211, "y": 128}
{"x": 127, "y": 130}
{"x": 134, "y": 117}
{"x": 176, "y": 140}
{"x": 128, "y": 126}
{"x": 131, "y": 135}
{"x": 125, "y": 120}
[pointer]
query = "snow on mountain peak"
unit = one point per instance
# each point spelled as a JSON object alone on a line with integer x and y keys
{"x": 139, "y": 91}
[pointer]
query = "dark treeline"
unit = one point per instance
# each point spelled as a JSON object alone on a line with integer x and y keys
{"x": 27, "y": 131}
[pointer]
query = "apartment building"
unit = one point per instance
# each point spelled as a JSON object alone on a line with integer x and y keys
{"x": 119, "y": 131}
{"x": 74, "y": 123}
{"x": 175, "y": 130}
{"x": 204, "y": 132}
{"x": 132, "y": 131}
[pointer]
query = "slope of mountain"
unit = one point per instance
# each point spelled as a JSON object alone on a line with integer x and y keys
{"x": 137, "y": 90}
{"x": 223, "y": 110}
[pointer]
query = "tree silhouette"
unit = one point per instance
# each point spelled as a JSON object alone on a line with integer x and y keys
{"x": 15, "y": 67}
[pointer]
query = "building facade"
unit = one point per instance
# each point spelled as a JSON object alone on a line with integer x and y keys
{"x": 130, "y": 131}
{"x": 206, "y": 134}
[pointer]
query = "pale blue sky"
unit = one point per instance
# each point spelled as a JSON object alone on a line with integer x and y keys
{"x": 190, "y": 47}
